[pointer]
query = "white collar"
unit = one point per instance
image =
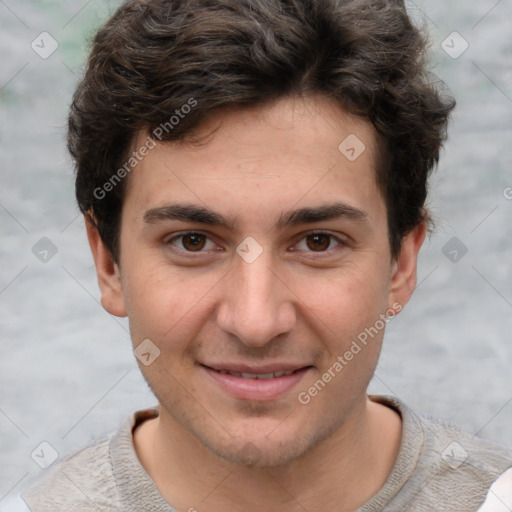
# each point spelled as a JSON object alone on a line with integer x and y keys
{"x": 499, "y": 498}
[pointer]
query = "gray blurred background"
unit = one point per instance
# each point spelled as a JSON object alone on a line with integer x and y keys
{"x": 67, "y": 371}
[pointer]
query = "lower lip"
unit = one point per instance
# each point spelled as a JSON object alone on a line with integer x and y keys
{"x": 256, "y": 389}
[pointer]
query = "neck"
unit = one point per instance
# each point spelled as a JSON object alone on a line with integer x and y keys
{"x": 346, "y": 468}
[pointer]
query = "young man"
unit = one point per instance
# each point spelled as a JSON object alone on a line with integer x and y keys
{"x": 253, "y": 177}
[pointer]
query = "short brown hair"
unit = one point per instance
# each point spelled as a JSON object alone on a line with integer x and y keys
{"x": 152, "y": 57}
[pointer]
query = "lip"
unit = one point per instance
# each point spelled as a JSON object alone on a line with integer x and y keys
{"x": 267, "y": 368}
{"x": 256, "y": 389}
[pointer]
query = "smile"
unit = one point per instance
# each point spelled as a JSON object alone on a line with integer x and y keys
{"x": 266, "y": 384}
{"x": 263, "y": 376}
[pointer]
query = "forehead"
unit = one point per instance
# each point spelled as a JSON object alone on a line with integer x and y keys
{"x": 295, "y": 152}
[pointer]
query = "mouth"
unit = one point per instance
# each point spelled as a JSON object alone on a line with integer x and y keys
{"x": 264, "y": 383}
{"x": 262, "y": 376}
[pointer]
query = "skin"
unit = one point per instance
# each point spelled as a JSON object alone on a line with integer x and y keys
{"x": 303, "y": 301}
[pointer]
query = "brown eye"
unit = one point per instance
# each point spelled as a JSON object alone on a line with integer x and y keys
{"x": 191, "y": 242}
{"x": 194, "y": 242}
{"x": 318, "y": 242}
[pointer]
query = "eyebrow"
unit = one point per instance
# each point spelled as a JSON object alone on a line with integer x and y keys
{"x": 187, "y": 213}
{"x": 321, "y": 214}
{"x": 201, "y": 215}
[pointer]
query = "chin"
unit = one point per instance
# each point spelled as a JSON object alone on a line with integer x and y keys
{"x": 262, "y": 454}
{"x": 280, "y": 447}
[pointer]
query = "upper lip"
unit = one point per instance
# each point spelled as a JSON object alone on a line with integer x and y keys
{"x": 262, "y": 369}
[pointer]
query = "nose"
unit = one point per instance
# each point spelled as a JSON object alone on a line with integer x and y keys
{"x": 256, "y": 304}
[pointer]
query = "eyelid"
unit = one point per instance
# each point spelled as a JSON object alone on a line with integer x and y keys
{"x": 168, "y": 240}
{"x": 342, "y": 241}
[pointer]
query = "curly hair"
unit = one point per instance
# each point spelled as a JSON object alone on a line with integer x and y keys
{"x": 153, "y": 57}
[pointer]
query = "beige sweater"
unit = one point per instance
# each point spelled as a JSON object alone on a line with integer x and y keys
{"x": 438, "y": 469}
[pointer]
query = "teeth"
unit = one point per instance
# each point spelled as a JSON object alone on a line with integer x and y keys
{"x": 257, "y": 375}
{"x": 262, "y": 376}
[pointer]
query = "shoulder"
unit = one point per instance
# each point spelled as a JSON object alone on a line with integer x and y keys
{"x": 83, "y": 481}
{"x": 441, "y": 467}
{"x": 99, "y": 477}
{"x": 454, "y": 449}
{"x": 457, "y": 470}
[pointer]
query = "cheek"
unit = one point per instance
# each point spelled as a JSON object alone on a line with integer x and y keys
{"x": 348, "y": 318}
{"x": 167, "y": 306}
{"x": 348, "y": 299}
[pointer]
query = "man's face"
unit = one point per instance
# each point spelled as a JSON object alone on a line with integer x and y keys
{"x": 263, "y": 250}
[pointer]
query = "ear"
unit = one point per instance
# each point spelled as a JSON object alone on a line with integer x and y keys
{"x": 109, "y": 277}
{"x": 404, "y": 274}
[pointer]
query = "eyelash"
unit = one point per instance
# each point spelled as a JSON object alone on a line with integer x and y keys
{"x": 318, "y": 254}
